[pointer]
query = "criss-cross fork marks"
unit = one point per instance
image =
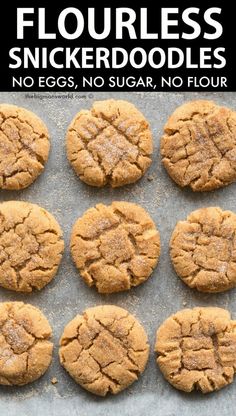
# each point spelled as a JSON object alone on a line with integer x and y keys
{"x": 199, "y": 151}
{"x": 109, "y": 150}
{"x": 203, "y": 250}
{"x": 121, "y": 253}
{"x": 102, "y": 353}
{"x": 198, "y": 349}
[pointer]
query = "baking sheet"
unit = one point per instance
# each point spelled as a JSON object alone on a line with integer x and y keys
{"x": 64, "y": 195}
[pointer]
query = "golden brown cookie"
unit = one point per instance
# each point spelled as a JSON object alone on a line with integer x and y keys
{"x": 31, "y": 246}
{"x": 115, "y": 247}
{"x": 203, "y": 250}
{"x": 24, "y": 147}
{"x": 199, "y": 145}
{"x": 109, "y": 144}
{"x": 104, "y": 350}
{"x": 196, "y": 349}
{"x": 25, "y": 349}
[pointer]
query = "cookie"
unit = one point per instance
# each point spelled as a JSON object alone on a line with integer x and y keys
{"x": 203, "y": 250}
{"x": 199, "y": 146}
{"x": 31, "y": 246}
{"x": 104, "y": 350}
{"x": 109, "y": 144}
{"x": 196, "y": 349}
{"x": 25, "y": 346}
{"x": 24, "y": 147}
{"x": 115, "y": 247}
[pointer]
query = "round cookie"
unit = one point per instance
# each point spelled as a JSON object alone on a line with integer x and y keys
{"x": 203, "y": 250}
{"x": 25, "y": 347}
{"x": 196, "y": 349}
{"x": 31, "y": 246}
{"x": 199, "y": 145}
{"x": 24, "y": 147}
{"x": 104, "y": 350}
{"x": 109, "y": 144}
{"x": 115, "y": 247}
